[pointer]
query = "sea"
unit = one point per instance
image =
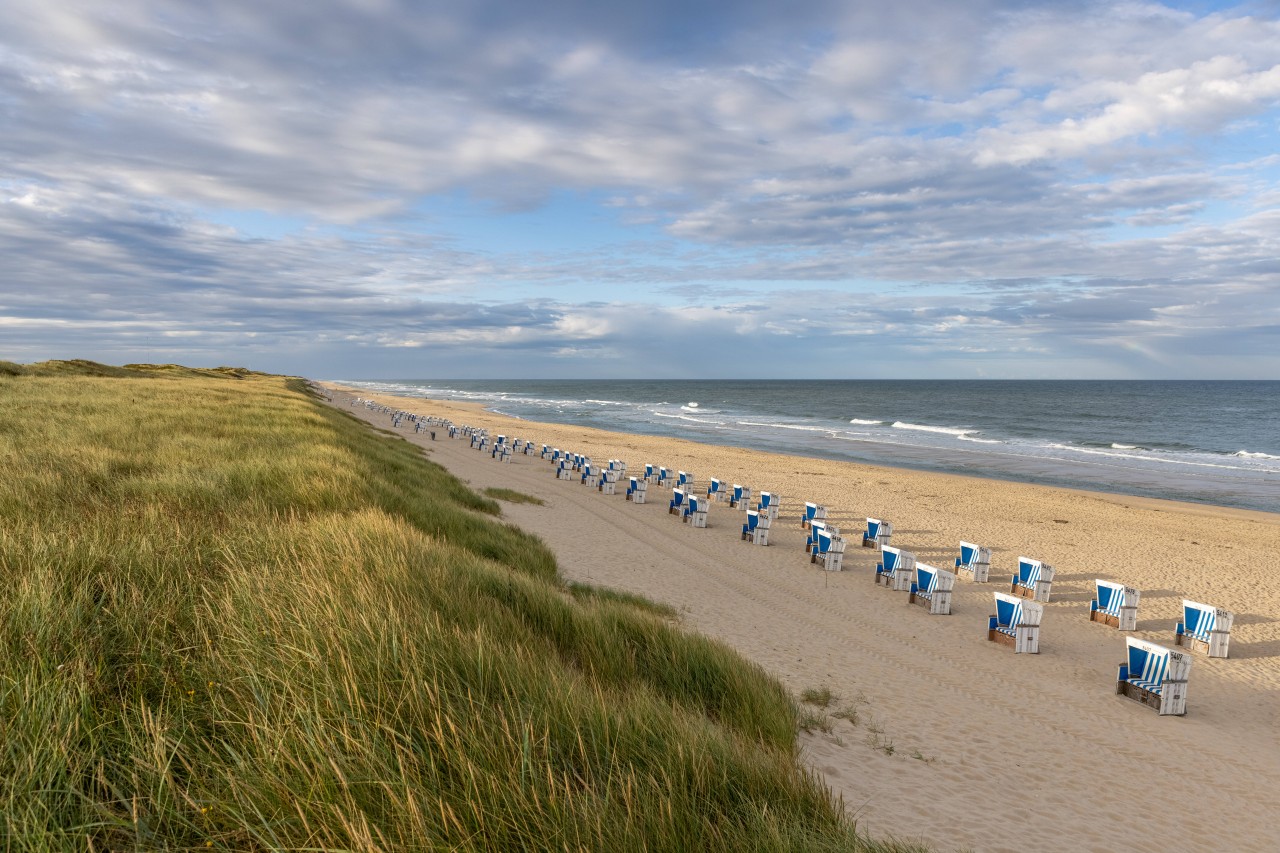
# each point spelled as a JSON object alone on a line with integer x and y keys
{"x": 1212, "y": 442}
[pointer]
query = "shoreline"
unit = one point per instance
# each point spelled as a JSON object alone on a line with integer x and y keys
{"x": 959, "y": 460}
{"x": 946, "y": 718}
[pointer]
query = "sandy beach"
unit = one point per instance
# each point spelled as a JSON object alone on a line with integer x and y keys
{"x": 958, "y": 742}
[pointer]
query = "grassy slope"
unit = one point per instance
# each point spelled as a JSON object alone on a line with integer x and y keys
{"x": 232, "y": 617}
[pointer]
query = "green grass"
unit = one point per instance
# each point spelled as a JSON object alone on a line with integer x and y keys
{"x": 512, "y": 496}
{"x": 235, "y": 618}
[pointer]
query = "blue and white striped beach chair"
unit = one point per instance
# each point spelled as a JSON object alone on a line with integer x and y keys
{"x": 1155, "y": 676}
{"x": 812, "y": 512}
{"x": 1033, "y": 579}
{"x": 879, "y": 533}
{"x": 769, "y": 504}
{"x": 932, "y": 588}
{"x": 975, "y": 561}
{"x": 1016, "y": 623}
{"x": 608, "y": 484}
{"x": 740, "y": 497}
{"x": 564, "y": 470}
{"x": 676, "y": 506}
{"x": 636, "y": 489}
{"x": 896, "y": 568}
{"x": 684, "y": 480}
{"x": 829, "y": 549}
{"x": 665, "y": 478}
{"x": 1115, "y": 604}
{"x": 715, "y": 490}
{"x": 695, "y": 511}
{"x": 1205, "y": 628}
{"x": 811, "y": 538}
{"x": 757, "y": 528}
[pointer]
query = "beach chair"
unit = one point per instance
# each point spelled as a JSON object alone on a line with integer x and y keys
{"x": 1155, "y": 676}
{"x": 757, "y": 528}
{"x": 879, "y": 534}
{"x": 715, "y": 490}
{"x": 684, "y": 480}
{"x": 528, "y": 448}
{"x": 829, "y": 550}
{"x": 932, "y": 589}
{"x": 769, "y": 505}
{"x": 811, "y": 538}
{"x": 676, "y": 507}
{"x": 1114, "y": 604}
{"x": 695, "y": 511}
{"x": 503, "y": 453}
{"x": 740, "y": 497}
{"x": 590, "y": 474}
{"x": 812, "y": 512}
{"x": 1033, "y": 579}
{"x": 636, "y": 490}
{"x": 896, "y": 568}
{"x": 665, "y": 478}
{"x": 608, "y": 484}
{"x": 1205, "y": 628}
{"x": 1016, "y": 623}
{"x": 975, "y": 561}
{"x": 564, "y": 470}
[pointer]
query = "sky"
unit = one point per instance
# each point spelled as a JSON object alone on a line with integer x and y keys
{"x": 377, "y": 189}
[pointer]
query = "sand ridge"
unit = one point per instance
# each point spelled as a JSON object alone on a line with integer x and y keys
{"x": 959, "y": 742}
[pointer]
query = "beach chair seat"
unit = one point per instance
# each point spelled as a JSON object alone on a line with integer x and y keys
{"x": 829, "y": 550}
{"x": 676, "y": 506}
{"x": 740, "y": 497}
{"x": 636, "y": 490}
{"x": 1033, "y": 580}
{"x": 896, "y": 568}
{"x": 1114, "y": 604}
{"x": 770, "y": 503}
{"x": 1205, "y": 628}
{"x": 756, "y": 530}
{"x": 974, "y": 561}
{"x": 1155, "y": 676}
{"x": 1016, "y": 623}
{"x": 812, "y": 512}
{"x": 879, "y": 533}
{"x": 695, "y": 511}
{"x": 932, "y": 589}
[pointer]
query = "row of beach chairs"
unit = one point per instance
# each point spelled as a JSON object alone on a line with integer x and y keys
{"x": 1151, "y": 674}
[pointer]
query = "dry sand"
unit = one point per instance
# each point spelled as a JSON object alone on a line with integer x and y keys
{"x": 958, "y": 742}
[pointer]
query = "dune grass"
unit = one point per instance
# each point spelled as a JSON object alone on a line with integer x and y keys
{"x": 233, "y": 618}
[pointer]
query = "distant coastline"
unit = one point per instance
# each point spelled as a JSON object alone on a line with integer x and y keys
{"x": 1193, "y": 441}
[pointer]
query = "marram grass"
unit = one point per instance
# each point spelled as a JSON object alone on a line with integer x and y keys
{"x": 233, "y": 618}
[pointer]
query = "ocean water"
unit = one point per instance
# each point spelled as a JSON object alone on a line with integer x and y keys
{"x": 1209, "y": 442}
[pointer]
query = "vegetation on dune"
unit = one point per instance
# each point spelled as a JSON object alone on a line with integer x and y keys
{"x": 235, "y": 618}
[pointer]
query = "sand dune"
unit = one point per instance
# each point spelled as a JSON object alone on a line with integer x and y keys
{"x": 957, "y": 742}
